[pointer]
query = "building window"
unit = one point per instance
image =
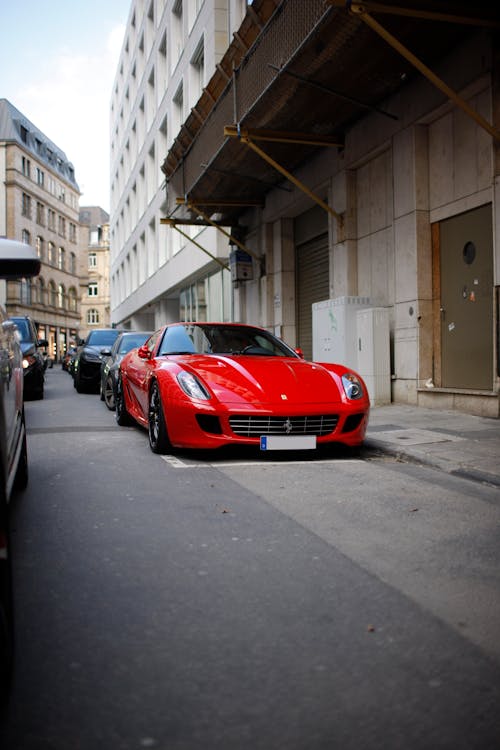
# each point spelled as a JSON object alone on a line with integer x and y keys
{"x": 52, "y": 219}
{"x": 92, "y": 289}
{"x": 52, "y": 254}
{"x": 72, "y": 263}
{"x": 25, "y": 291}
{"x": 26, "y": 237}
{"x": 60, "y": 296}
{"x": 72, "y": 300}
{"x": 61, "y": 260}
{"x": 40, "y": 177}
{"x": 40, "y": 213}
{"x": 198, "y": 71}
{"x": 72, "y": 232}
{"x": 52, "y": 294}
{"x": 92, "y": 316}
{"x": 26, "y": 207}
{"x": 26, "y": 167}
{"x": 92, "y": 260}
{"x": 40, "y": 249}
{"x": 62, "y": 227}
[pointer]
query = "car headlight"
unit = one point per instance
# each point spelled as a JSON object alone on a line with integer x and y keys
{"x": 28, "y": 361}
{"x": 352, "y": 386}
{"x": 192, "y": 386}
{"x": 90, "y": 357}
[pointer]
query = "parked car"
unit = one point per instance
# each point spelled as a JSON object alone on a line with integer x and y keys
{"x": 17, "y": 260}
{"x": 33, "y": 360}
{"x": 111, "y": 358}
{"x": 206, "y": 385}
{"x": 86, "y": 366}
{"x": 68, "y": 357}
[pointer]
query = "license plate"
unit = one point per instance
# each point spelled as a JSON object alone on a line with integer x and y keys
{"x": 287, "y": 442}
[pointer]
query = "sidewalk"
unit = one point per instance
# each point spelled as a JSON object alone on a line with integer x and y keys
{"x": 459, "y": 444}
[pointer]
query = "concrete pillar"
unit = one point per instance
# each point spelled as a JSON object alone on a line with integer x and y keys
{"x": 413, "y": 326}
{"x": 343, "y": 242}
{"x": 283, "y": 270}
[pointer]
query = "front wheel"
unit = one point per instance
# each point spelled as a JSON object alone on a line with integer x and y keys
{"x": 122, "y": 416}
{"x": 158, "y": 435}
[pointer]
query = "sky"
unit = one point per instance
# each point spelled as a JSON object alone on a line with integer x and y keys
{"x": 58, "y": 60}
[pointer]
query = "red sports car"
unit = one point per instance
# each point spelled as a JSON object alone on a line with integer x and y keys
{"x": 206, "y": 385}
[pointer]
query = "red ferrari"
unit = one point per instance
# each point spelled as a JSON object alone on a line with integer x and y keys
{"x": 206, "y": 385}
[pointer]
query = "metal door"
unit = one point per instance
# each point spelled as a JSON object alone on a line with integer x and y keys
{"x": 466, "y": 260}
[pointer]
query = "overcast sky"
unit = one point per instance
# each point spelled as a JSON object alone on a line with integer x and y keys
{"x": 58, "y": 60}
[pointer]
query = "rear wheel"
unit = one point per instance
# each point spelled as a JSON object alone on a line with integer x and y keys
{"x": 122, "y": 416}
{"x": 108, "y": 394}
{"x": 158, "y": 434}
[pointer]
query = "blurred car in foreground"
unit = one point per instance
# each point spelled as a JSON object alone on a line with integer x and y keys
{"x": 33, "y": 360}
{"x": 206, "y": 385}
{"x": 86, "y": 365}
{"x": 17, "y": 260}
{"x": 111, "y": 358}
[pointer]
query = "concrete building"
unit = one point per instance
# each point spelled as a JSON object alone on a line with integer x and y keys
{"x": 94, "y": 270}
{"x": 39, "y": 205}
{"x": 351, "y": 151}
{"x": 170, "y": 51}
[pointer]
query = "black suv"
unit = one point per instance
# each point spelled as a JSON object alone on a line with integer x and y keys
{"x": 33, "y": 359}
{"x": 86, "y": 368}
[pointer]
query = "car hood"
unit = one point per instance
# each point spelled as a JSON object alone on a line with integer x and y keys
{"x": 261, "y": 380}
{"x": 27, "y": 347}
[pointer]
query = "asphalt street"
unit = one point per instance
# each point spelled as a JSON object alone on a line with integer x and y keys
{"x": 212, "y": 602}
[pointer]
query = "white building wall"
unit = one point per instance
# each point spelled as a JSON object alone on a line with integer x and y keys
{"x": 170, "y": 51}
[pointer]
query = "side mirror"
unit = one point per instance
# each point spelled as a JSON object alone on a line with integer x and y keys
{"x": 106, "y": 352}
{"x": 143, "y": 352}
{"x": 299, "y": 352}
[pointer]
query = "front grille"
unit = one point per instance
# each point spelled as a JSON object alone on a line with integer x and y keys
{"x": 254, "y": 426}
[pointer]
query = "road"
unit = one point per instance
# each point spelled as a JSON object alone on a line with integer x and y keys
{"x": 221, "y": 602}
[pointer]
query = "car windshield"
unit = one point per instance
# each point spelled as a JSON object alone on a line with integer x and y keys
{"x": 102, "y": 338}
{"x": 23, "y": 329}
{"x": 222, "y": 339}
{"x": 131, "y": 341}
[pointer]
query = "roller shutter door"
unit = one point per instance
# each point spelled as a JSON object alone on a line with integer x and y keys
{"x": 312, "y": 267}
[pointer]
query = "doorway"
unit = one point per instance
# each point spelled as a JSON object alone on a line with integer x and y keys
{"x": 466, "y": 300}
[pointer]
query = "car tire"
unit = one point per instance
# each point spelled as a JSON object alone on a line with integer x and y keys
{"x": 21, "y": 478}
{"x": 157, "y": 426}
{"x": 122, "y": 416}
{"x": 108, "y": 394}
{"x": 78, "y": 383}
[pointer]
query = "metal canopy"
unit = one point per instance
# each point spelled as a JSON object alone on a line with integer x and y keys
{"x": 308, "y": 68}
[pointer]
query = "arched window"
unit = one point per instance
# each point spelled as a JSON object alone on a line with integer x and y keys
{"x": 61, "y": 259}
{"x": 61, "y": 293}
{"x": 52, "y": 294}
{"x": 25, "y": 290}
{"x": 41, "y": 293}
{"x": 40, "y": 247}
{"x": 26, "y": 237}
{"x": 72, "y": 299}
{"x": 92, "y": 316}
{"x": 52, "y": 254}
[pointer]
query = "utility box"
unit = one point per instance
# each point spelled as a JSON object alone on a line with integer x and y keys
{"x": 374, "y": 358}
{"x": 335, "y": 329}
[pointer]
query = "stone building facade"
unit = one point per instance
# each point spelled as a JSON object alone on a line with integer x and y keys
{"x": 94, "y": 270}
{"x": 39, "y": 205}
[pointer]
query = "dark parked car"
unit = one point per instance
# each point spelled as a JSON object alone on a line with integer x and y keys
{"x": 17, "y": 260}
{"x": 111, "y": 359}
{"x": 86, "y": 367}
{"x": 33, "y": 360}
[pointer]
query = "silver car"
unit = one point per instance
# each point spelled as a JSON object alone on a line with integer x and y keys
{"x": 17, "y": 260}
